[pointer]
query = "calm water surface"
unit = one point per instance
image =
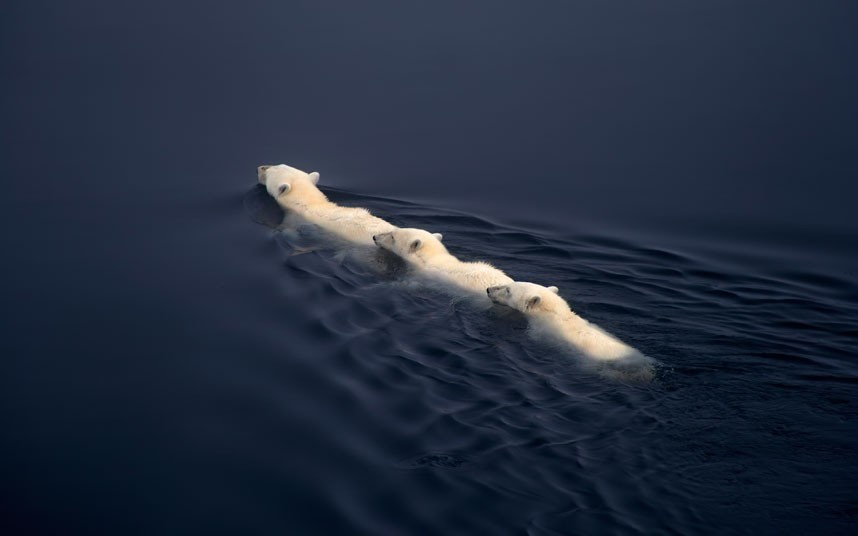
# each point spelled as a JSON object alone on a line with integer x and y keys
{"x": 172, "y": 364}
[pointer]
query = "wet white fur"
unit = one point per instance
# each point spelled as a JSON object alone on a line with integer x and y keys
{"x": 296, "y": 192}
{"x": 550, "y": 317}
{"x": 425, "y": 253}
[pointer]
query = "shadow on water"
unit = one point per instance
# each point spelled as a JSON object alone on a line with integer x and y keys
{"x": 462, "y": 408}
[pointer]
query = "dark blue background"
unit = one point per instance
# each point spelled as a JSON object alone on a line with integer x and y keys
{"x": 623, "y": 110}
{"x": 131, "y": 130}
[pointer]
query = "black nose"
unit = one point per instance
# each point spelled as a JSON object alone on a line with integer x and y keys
{"x": 375, "y": 238}
{"x": 489, "y": 291}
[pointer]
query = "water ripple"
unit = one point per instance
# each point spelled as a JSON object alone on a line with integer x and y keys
{"x": 455, "y": 419}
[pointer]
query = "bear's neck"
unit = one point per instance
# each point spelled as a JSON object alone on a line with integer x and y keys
{"x": 306, "y": 197}
{"x": 562, "y": 316}
{"x": 440, "y": 258}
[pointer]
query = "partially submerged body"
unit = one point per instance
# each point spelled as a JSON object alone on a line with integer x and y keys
{"x": 312, "y": 222}
{"x": 305, "y": 204}
{"x": 551, "y": 320}
{"x": 427, "y": 256}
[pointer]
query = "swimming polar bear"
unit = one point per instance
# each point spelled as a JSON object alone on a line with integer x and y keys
{"x": 550, "y": 318}
{"x": 425, "y": 253}
{"x": 296, "y": 192}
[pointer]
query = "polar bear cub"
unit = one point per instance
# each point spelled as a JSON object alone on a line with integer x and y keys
{"x": 296, "y": 191}
{"x": 550, "y": 317}
{"x": 424, "y": 252}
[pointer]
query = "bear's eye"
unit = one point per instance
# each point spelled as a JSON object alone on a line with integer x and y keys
{"x": 282, "y": 189}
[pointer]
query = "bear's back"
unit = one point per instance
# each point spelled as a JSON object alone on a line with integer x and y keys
{"x": 474, "y": 276}
{"x": 351, "y": 223}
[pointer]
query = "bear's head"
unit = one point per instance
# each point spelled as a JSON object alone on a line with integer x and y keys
{"x": 285, "y": 183}
{"x": 528, "y": 298}
{"x": 412, "y": 245}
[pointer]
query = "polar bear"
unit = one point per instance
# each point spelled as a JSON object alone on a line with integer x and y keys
{"x": 425, "y": 253}
{"x": 550, "y": 317}
{"x": 296, "y": 191}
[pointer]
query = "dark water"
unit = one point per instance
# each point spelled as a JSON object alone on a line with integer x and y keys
{"x": 684, "y": 173}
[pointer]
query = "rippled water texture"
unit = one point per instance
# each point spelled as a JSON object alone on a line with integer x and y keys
{"x": 171, "y": 364}
{"x": 461, "y": 423}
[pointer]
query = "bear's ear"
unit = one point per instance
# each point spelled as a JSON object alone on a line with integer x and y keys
{"x": 417, "y": 244}
{"x": 282, "y": 189}
{"x": 554, "y": 289}
{"x": 439, "y": 236}
{"x": 314, "y": 177}
{"x": 532, "y": 302}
